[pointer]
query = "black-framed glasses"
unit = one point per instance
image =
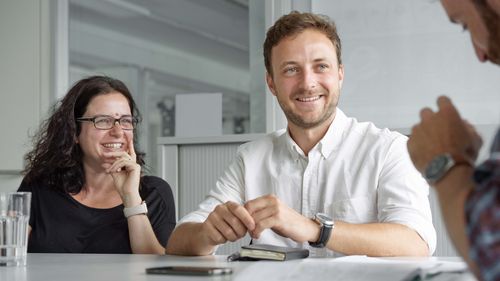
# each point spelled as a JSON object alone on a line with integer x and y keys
{"x": 106, "y": 122}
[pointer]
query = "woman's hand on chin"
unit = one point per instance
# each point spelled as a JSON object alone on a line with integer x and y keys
{"x": 126, "y": 174}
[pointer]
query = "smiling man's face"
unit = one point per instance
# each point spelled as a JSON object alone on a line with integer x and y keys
{"x": 306, "y": 78}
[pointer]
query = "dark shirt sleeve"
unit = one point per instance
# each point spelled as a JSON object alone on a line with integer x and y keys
{"x": 24, "y": 187}
{"x": 161, "y": 207}
{"x": 483, "y": 218}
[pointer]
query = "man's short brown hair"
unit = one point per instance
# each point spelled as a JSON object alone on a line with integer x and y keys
{"x": 492, "y": 22}
{"x": 295, "y": 23}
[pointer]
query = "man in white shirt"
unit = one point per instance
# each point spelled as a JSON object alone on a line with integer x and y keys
{"x": 327, "y": 181}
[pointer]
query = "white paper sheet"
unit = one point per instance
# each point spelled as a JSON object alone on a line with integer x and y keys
{"x": 351, "y": 268}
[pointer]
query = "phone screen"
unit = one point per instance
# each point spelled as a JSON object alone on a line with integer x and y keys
{"x": 189, "y": 270}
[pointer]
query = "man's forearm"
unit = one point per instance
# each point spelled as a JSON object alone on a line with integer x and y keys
{"x": 376, "y": 239}
{"x": 452, "y": 192}
{"x": 188, "y": 239}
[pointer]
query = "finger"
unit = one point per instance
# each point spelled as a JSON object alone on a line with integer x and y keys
{"x": 237, "y": 225}
{"x": 264, "y": 213}
{"x": 222, "y": 227}
{"x": 238, "y": 218}
{"x": 131, "y": 149}
{"x": 214, "y": 234}
{"x": 109, "y": 158}
{"x": 264, "y": 218}
{"x": 262, "y": 225}
{"x": 106, "y": 166}
{"x": 122, "y": 164}
{"x": 227, "y": 232}
{"x": 117, "y": 154}
{"x": 445, "y": 104}
{"x": 113, "y": 175}
{"x": 241, "y": 214}
{"x": 254, "y": 205}
{"x": 116, "y": 167}
{"x": 426, "y": 113}
{"x": 262, "y": 202}
{"x": 444, "y": 101}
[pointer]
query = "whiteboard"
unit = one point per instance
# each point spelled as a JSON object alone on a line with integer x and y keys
{"x": 400, "y": 55}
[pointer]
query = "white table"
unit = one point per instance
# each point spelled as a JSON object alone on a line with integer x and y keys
{"x": 76, "y": 267}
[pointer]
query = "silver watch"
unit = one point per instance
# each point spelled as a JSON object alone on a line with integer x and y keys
{"x": 326, "y": 224}
{"x": 438, "y": 167}
{"x": 141, "y": 209}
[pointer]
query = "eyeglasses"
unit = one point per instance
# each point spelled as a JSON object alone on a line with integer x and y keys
{"x": 106, "y": 122}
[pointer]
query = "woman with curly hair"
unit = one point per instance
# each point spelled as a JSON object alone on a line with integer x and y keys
{"x": 88, "y": 192}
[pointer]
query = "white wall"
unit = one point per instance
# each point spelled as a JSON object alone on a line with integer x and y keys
{"x": 400, "y": 55}
{"x": 25, "y": 79}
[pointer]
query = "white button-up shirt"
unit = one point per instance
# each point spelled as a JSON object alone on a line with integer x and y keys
{"x": 357, "y": 174}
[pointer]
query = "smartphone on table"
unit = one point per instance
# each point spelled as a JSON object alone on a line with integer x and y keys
{"x": 189, "y": 270}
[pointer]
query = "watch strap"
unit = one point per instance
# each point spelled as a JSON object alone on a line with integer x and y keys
{"x": 452, "y": 161}
{"x": 324, "y": 235}
{"x": 141, "y": 209}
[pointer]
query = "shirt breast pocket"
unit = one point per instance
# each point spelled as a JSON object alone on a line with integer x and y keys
{"x": 354, "y": 210}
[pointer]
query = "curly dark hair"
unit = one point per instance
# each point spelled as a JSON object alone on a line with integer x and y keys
{"x": 56, "y": 159}
{"x": 295, "y": 23}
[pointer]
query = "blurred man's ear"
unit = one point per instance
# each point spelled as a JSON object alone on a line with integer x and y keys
{"x": 270, "y": 83}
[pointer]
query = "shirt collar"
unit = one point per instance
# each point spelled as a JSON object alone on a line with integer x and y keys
{"x": 333, "y": 136}
{"x": 292, "y": 146}
{"x": 327, "y": 144}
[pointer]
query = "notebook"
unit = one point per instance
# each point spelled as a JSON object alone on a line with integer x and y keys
{"x": 271, "y": 252}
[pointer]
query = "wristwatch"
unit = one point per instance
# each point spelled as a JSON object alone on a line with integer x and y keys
{"x": 136, "y": 210}
{"x": 326, "y": 223}
{"x": 438, "y": 167}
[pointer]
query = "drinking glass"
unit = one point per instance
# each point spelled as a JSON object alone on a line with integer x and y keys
{"x": 14, "y": 219}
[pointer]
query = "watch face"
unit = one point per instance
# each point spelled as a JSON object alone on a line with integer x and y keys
{"x": 436, "y": 166}
{"x": 324, "y": 219}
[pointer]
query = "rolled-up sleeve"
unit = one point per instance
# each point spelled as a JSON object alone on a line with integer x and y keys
{"x": 403, "y": 194}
